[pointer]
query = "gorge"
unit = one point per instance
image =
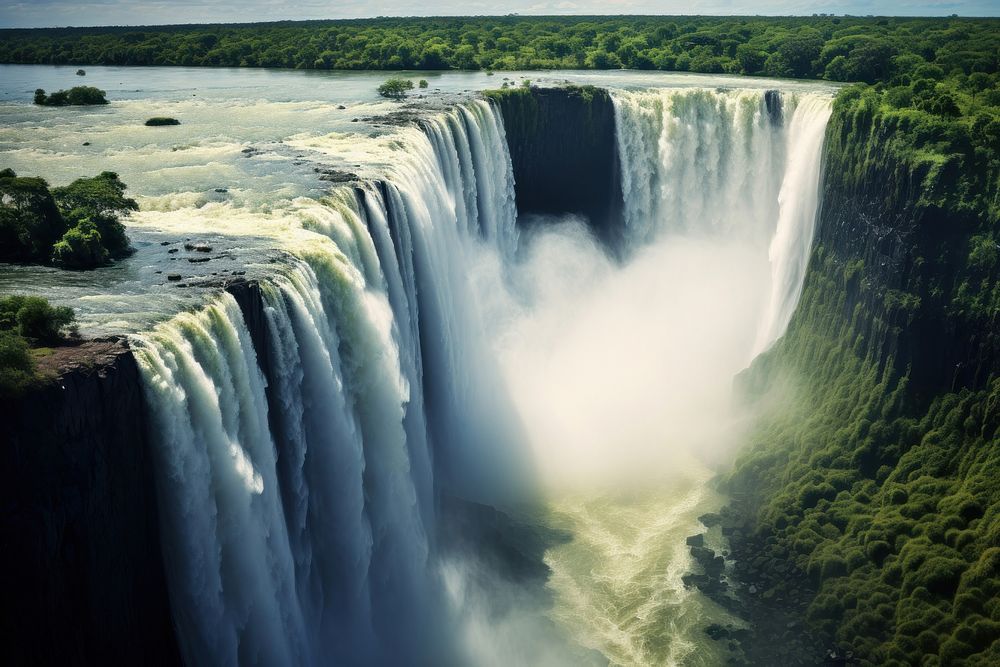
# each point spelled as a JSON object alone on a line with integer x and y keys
{"x": 464, "y": 404}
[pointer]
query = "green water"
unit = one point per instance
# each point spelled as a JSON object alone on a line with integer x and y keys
{"x": 617, "y": 584}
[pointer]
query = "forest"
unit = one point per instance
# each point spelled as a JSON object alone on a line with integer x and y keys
{"x": 829, "y": 47}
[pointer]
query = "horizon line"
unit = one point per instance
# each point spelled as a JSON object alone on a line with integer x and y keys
{"x": 502, "y": 16}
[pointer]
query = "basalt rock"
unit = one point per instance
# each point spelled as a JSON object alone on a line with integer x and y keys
{"x": 564, "y": 153}
{"x": 81, "y": 571}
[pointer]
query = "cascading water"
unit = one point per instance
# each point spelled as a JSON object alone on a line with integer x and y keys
{"x": 724, "y": 165}
{"x": 623, "y": 372}
{"x": 303, "y": 533}
{"x": 410, "y": 337}
{"x": 798, "y": 203}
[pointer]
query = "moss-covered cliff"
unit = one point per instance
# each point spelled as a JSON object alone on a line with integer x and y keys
{"x": 874, "y": 467}
{"x": 564, "y": 153}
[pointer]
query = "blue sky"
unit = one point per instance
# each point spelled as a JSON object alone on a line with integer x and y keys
{"x": 44, "y": 13}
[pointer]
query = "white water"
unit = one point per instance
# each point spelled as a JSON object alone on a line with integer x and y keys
{"x": 301, "y": 531}
{"x": 413, "y": 333}
{"x": 622, "y": 371}
{"x": 714, "y": 165}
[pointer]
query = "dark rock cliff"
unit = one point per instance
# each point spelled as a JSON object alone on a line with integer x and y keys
{"x": 80, "y": 560}
{"x": 565, "y": 154}
{"x": 902, "y": 228}
{"x": 81, "y": 572}
{"x": 251, "y": 302}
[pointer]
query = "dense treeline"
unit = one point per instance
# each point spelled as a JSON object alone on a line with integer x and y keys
{"x": 835, "y": 48}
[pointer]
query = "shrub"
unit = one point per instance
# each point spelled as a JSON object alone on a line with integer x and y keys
{"x": 33, "y": 318}
{"x": 423, "y": 83}
{"x": 76, "y": 96}
{"x": 938, "y": 575}
{"x": 24, "y": 321}
{"x": 16, "y": 365}
{"x": 812, "y": 494}
{"x": 80, "y": 248}
{"x": 395, "y": 88}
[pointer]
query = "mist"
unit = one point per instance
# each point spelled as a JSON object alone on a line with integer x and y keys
{"x": 618, "y": 369}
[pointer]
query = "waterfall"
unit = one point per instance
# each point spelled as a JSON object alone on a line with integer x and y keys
{"x": 300, "y": 482}
{"x": 798, "y": 201}
{"x": 727, "y": 165}
{"x": 226, "y": 549}
{"x": 298, "y": 485}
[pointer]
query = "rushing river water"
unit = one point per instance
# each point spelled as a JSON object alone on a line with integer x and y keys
{"x": 422, "y": 347}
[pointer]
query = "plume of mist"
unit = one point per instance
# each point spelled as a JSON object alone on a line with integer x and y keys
{"x": 617, "y": 369}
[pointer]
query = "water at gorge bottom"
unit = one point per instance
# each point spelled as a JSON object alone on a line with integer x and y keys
{"x": 617, "y": 584}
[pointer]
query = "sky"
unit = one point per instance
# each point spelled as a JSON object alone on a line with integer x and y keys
{"x": 49, "y": 13}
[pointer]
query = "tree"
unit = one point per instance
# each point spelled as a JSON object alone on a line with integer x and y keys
{"x": 796, "y": 53}
{"x": 17, "y": 368}
{"x": 80, "y": 248}
{"x": 751, "y": 59}
{"x": 395, "y": 88}
{"x": 35, "y": 319}
{"x": 100, "y": 200}
{"x": 76, "y": 226}
{"x": 30, "y": 221}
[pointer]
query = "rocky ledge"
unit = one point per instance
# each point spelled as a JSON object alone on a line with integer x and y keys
{"x": 770, "y": 597}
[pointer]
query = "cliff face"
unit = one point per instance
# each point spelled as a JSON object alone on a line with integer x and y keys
{"x": 565, "y": 155}
{"x": 82, "y": 571}
{"x": 906, "y": 223}
{"x": 872, "y": 468}
{"x": 82, "y": 577}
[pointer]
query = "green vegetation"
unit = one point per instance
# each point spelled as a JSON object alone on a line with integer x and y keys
{"x": 157, "y": 121}
{"x": 76, "y": 96}
{"x": 835, "y": 48}
{"x": 27, "y": 321}
{"x": 874, "y": 467}
{"x": 77, "y": 226}
{"x": 395, "y": 88}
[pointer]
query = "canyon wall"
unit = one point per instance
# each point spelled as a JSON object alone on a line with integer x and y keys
{"x": 871, "y": 473}
{"x": 82, "y": 577}
{"x": 565, "y": 155}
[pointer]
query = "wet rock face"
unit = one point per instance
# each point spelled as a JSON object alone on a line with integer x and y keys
{"x": 564, "y": 152}
{"x": 80, "y": 567}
